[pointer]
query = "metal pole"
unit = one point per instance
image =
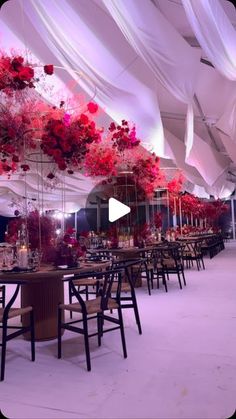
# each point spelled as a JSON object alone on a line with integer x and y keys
{"x": 98, "y": 214}
{"x": 180, "y": 216}
{"x": 168, "y": 209}
{"x": 232, "y": 216}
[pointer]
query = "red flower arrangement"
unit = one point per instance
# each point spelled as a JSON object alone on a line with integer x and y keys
{"x": 175, "y": 185}
{"x": 123, "y": 137}
{"x": 13, "y": 127}
{"x": 158, "y": 219}
{"x": 68, "y": 249}
{"x": 47, "y": 226}
{"x": 100, "y": 161}
{"x": 148, "y": 174}
{"x": 67, "y": 140}
{"x": 16, "y": 74}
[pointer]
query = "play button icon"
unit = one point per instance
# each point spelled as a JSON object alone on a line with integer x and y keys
{"x": 116, "y": 209}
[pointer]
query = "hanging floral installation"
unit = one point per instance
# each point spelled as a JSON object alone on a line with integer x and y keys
{"x": 123, "y": 136}
{"x": 101, "y": 161}
{"x": 70, "y": 140}
{"x": 67, "y": 140}
{"x": 148, "y": 174}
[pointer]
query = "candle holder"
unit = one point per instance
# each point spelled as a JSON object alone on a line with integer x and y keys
{"x": 22, "y": 257}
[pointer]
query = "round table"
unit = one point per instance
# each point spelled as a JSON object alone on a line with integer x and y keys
{"x": 44, "y": 291}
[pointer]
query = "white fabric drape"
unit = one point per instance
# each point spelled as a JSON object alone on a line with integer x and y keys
{"x": 210, "y": 163}
{"x": 214, "y": 32}
{"x": 174, "y": 63}
{"x": 118, "y": 90}
{"x": 227, "y": 121}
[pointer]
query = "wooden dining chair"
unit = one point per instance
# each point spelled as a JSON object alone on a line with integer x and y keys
{"x": 2, "y": 295}
{"x": 132, "y": 269}
{"x": 192, "y": 252}
{"x": 95, "y": 308}
{"x": 8, "y": 313}
{"x": 171, "y": 261}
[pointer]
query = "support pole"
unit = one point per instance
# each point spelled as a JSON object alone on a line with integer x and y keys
{"x": 232, "y": 216}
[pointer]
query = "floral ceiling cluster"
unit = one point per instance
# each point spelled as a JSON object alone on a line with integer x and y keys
{"x": 69, "y": 140}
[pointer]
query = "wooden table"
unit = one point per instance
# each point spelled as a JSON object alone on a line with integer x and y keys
{"x": 44, "y": 290}
{"x": 127, "y": 253}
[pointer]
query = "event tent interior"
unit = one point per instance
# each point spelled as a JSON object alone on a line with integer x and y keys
{"x": 155, "y": 76}
{"x": 167, "y": 70}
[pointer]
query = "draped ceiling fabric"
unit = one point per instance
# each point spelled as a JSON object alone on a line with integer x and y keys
{"x": 140, "y": 61}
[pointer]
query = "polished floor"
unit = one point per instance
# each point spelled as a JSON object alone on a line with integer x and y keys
{"x": 183, "y": 366}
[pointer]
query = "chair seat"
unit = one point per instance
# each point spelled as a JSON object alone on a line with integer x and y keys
{"x": 125, "y": 287}
{"x": 191, "y": 254}
{"x": 154, "y": 266}
{"x": 92, "y": 306}
{"x": 171, "y": 263}
{"x": 85, "y": 282}
{"x": 14, "y": 312}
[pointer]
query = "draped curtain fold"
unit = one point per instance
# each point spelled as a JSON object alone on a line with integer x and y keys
{"x": 214, "y": 32}
{"x": 174, "y": 63}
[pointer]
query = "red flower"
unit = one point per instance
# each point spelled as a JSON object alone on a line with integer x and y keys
{"x": 16, "y": 63}
{"x": 25, "y": 167}
{"x": 15, "y": 158}
{"x": 62, "y": 165}
{"x": 8, "y": 148}
{"x": 92, "y": 107}
{"x": 50, "y": 175}
{"x": 59, "y": 129}
{"x": 112, "y": 127}
{"x": 83, "y": 119}
{"x": 57, "y": 153}
{"x": 26, "y": 74}
{"x": 48, "y": 69}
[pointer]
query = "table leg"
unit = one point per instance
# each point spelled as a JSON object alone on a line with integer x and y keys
{"x": 44, "y": 297}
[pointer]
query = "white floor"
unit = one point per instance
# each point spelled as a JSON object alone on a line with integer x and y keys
{"x": 183, "y": 366}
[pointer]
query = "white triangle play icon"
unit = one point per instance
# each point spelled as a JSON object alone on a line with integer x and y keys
{"x": 116, "y": 209}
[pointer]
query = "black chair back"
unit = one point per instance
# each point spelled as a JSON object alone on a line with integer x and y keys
{"x": 105, "y": 280}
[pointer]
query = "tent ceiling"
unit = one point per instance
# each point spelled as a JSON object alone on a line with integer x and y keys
{"x": 84, "y": 35}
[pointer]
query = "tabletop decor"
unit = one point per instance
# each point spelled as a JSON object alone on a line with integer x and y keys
{"x": 69, "y": 250}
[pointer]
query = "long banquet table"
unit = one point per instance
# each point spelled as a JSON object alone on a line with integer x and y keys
{"x": 44, "y": 290}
